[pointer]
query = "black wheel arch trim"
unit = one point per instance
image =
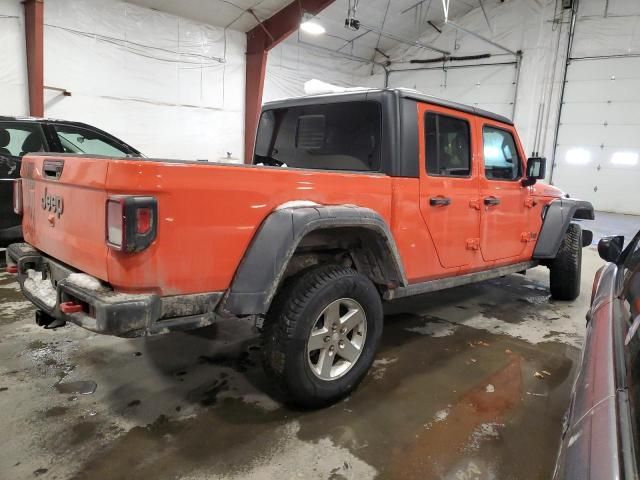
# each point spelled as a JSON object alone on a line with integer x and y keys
{"x": 557, "y": 216}
{"x": 265, "y": 261}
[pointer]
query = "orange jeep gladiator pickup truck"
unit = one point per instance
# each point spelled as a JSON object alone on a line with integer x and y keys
{"x": 352, "y": 199}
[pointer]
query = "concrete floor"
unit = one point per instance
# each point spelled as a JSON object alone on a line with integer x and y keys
{"x": 453, "y": 394}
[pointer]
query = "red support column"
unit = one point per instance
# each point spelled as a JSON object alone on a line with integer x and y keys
{"x": 34, "y": 33}
{"x": 279, "y": 26}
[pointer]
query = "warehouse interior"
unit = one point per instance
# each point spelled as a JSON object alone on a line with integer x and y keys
{"x": 473, "y": 382}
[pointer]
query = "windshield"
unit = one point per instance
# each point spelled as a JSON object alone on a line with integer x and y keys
{"x": 337, "y": 136}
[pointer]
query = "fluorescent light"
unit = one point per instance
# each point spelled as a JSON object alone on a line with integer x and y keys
{"x": 312, "y": 27}
{"x": 625, "y": 158}
{"x": 578, "y": 156}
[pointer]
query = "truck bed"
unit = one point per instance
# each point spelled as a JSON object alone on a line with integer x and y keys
{"x": 207, "y": 214}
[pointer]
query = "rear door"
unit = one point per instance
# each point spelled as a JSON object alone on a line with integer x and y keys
{"x": 449, "y": 184}
{"x": 505, "y": 203}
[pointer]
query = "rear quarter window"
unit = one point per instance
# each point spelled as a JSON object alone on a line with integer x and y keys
{"x": 338, "y": 136}
{"x": 18, "y": 139}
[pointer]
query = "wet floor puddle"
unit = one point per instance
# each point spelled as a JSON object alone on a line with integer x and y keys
{"x": 80, "y": 387}
{"x": 425, "y": 411}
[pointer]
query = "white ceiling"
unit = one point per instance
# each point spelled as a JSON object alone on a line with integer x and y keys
{"x": 396, "y": 18}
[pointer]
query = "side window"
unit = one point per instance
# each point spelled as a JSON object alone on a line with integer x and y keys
{"x": 447, "y": 146}
{"x": 81, "y": 140}
{"x": 501, "y": 159}
{"x": 18, "y": 139}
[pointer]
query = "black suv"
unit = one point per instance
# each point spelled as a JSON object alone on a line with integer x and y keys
{"x": 19, "y": 136}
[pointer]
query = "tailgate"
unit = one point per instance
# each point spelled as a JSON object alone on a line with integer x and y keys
{"x": 64, "y": 209}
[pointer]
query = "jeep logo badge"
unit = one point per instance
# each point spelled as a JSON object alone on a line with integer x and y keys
{"x": 52, "y": 203}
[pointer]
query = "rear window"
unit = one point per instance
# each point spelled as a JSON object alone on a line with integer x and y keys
{"x": 338, "y": 136}
{"x": 18, "y": 139}
{"x": 81, "y": 140}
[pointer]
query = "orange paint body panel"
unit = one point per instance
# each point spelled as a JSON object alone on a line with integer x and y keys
{"x": 207, "y": 216}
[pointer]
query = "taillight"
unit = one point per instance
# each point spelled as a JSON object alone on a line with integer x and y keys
{"x": 131, "y": 222}
{"x": 17, "y": 196}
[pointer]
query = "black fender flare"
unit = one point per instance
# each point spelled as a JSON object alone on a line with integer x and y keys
{"x": 264, "y": 263}
{"x": 557, "y": 216}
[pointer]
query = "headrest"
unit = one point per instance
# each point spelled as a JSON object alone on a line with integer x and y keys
{"x": 4, "y": 137}
{"x": 33, "y": 143}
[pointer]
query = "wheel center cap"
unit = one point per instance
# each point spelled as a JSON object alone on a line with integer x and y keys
{"x": 335, "y": 336}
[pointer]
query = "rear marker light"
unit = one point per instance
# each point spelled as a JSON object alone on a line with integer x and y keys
{"x": 17, "y": 196}
{"x": 131, "y": 222}
{"x": 12, "y": 269}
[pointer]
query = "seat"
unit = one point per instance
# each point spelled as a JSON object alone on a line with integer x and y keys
{"x": 5, "y": 138}
{"x": 33, "y": 143}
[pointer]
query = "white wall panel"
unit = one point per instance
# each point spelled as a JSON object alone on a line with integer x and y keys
{"x": 491, "y": 88}
{"x": 169, "y": 86}
{"x": 290, "y": 65}
{"x": 14, "y": 97}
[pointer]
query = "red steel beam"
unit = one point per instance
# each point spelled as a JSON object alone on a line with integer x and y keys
{"x": 34, "y": 34}
{"x": 260, "y": 40}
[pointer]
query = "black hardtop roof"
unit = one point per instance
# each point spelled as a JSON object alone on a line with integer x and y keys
{"x": 359, "y": 93}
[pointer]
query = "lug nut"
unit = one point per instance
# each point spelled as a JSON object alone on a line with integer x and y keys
{"x": 327, "y": 339}
{"x": 341, "y": 344}
{"x": 343, "y": 330}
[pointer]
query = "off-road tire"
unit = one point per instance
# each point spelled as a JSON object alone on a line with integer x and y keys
{"x": 289, "y": 322}
{"x": 565, "y": 269}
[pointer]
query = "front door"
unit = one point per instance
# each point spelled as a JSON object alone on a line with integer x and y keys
{"x": 505, "y": 202}
{"x": 449, "y": 184}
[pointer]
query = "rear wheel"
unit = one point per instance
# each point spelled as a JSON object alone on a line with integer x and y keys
{"x": 321, "y": 333}
{"x": 565, "y": 269}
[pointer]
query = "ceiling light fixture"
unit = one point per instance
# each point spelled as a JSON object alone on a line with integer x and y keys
{"x": 311, "y": 26}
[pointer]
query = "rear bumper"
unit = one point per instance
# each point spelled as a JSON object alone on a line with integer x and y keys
{"x": 48, "y": 285}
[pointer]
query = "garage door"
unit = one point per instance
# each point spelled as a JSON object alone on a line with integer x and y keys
{"x": 491, "y": 87}
{"x": 597, "y": 156}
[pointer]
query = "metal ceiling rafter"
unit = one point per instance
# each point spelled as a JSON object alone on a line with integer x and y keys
{"x": 415, "y": 5}
{"x": 349, "y": 42}
{"x": 484, "y": 39}
{"x": 391, "y": 36}
{"x": 377, "y": 47}
{"x": 486, "y": 17}
{"x": 337, "y": 52}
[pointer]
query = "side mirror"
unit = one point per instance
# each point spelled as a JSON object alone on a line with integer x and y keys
{"x": 536, "y": 170}
{"x": 610, "y": 248}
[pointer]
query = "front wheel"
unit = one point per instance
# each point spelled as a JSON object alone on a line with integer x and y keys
{"x": 565, "y": 270}
{"x": 321, "y": 334}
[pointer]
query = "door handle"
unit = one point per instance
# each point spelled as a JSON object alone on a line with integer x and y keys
{"x": 491, "y": 201}
{"x": 439, "y": 201}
